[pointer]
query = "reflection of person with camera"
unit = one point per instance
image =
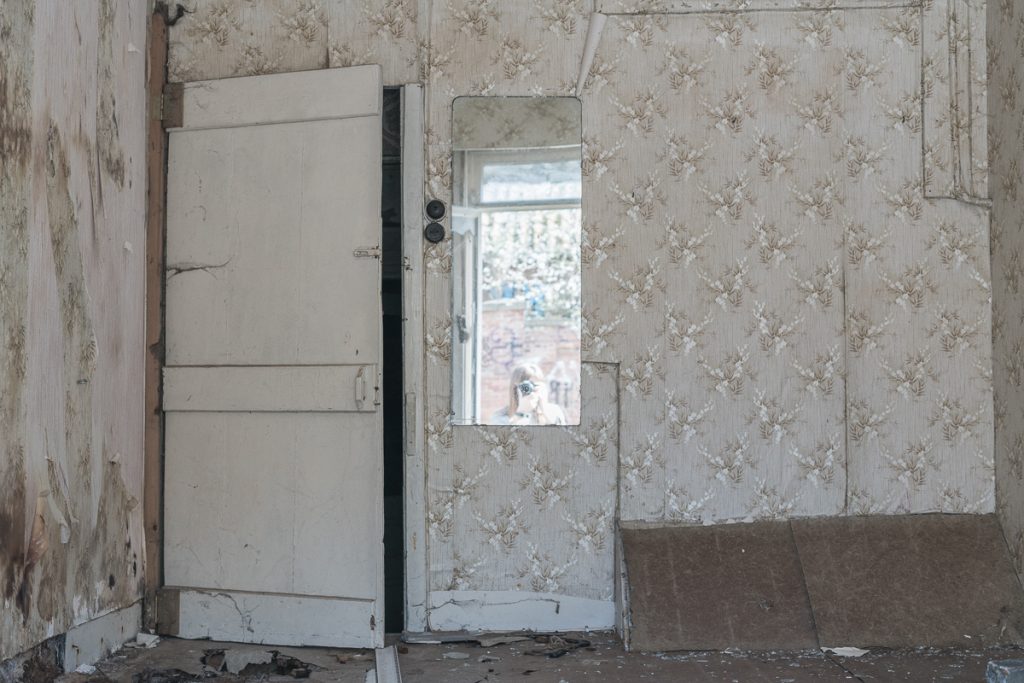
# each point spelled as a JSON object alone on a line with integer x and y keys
{"x": 528, "y": 401}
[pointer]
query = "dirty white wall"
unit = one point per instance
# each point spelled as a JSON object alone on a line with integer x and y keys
{"x": 72, "y": 226}
{"x": 1006, "y": 132}
{"x": 786, "y": 280}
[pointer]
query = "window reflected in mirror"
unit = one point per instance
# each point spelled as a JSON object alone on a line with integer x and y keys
{"x": 516, "y": 234}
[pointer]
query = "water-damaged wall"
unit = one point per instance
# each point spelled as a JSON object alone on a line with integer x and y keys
{"x": 786, "y": 269}
{"x": 72, "y": 250}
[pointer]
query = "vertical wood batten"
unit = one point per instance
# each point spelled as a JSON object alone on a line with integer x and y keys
{"x": 156, "y": 165}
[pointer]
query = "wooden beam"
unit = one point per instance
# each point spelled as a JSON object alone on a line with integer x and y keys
{"x": 156, "y": 193}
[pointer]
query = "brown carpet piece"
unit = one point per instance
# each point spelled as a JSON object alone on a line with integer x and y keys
{"x": 715, "y": 587}
{"x": 900, "y": 581}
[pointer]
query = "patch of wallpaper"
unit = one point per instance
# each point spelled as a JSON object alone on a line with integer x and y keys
{"x": 953, "y": 88}
{"x": 1006, "y": 133}
{"x": 224, "y": 38}
{"x": 543, "y": 519}
{"x": 777, "y": 323}
{"x": 786, "y": 200}
{"x": 702, "y": 6}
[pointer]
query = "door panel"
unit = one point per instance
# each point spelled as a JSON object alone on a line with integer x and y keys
{"x": 255, "y": 203}
{"x": 265, "y": 514}
{"x": 273, "y": 460}
{"x": 317, "y": 388}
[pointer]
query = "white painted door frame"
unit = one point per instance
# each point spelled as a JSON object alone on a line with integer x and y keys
{"x": 413, "y": 285}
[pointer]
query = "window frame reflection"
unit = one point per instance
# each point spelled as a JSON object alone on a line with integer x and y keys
{"x": 468, "y": 300}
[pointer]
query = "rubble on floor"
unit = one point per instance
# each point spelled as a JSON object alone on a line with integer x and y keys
{"x": 561, "y": 658}
{"x": 191, "y": 661}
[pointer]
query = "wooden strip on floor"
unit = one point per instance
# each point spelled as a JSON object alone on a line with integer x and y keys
{"x": 387, "y": 665}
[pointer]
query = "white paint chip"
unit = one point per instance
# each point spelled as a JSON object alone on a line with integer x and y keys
{"x": 128, "y": 247}
{"x": 132, "y": 48}
{"x": 146, "y": 640}
{"x": 845, "y": 651}
{"x": 235, "y": 661}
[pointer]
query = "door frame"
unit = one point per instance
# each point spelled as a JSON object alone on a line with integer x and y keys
{"x": 413, "y": 375}
{"x": 156, "y": 215}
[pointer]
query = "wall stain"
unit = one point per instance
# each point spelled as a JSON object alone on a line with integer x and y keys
{"x": 111, "y": 553}
{"x": 16, "y": 65}
{"x": 68, "y": 522}
{"x": 15, "y": 77}
{"x": 81, "y": 347}
{"x": 108, "y": 140}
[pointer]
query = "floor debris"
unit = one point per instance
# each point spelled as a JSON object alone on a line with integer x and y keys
{"x": 845, "y": 651}
{"x": 164, "y": 676}
{"x": 237, "y": 661}
{"x": 604, "y": 660}
{"x": 556, "y": 646}
{"x": 143, "y": 639}
{"x": 481, "y": 639}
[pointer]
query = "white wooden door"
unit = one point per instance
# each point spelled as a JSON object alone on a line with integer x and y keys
{"x": 273, "y": 490}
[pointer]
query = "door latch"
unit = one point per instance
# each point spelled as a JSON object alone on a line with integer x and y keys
{"x": 366, "y": 252}
{"x": 360, "y": 388}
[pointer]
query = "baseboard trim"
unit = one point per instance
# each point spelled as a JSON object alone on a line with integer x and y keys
{"x": 517, "y": 611}
{"x": 91, "y": 641}
{"x": 268, "y": 618}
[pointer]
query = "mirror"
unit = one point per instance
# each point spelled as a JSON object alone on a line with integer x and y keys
{"x": 516, "y": 233}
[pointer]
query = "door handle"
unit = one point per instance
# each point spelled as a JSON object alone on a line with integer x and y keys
{"x": 360, "y": 388}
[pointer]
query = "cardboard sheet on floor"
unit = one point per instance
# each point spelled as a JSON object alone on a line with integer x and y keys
{"x": 900, "y": 581}
{"x": 716, "y": 587}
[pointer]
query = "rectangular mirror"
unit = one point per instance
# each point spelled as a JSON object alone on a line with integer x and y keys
{"x": 516, "y": 234}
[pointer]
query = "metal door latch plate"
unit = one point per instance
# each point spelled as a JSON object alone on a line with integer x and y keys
{"x": 367, "y": 252}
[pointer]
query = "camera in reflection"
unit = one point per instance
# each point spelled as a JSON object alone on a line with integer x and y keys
{"x": 526, "y": 388}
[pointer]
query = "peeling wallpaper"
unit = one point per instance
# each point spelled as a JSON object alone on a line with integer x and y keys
{"x": 1006, "y": 133}
{"x": 786, "y": 265}
{"x": 72, "y": 228}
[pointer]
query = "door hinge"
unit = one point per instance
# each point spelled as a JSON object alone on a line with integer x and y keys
{"x": 366, "y": 252}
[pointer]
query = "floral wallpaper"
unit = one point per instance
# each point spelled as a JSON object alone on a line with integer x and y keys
{"x": 515, "y": 122}
{"x": 1006, "y": 133}
{"x": 787, "y": 299}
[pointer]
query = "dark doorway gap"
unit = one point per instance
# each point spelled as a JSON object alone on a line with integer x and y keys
{"x": 391, "y": 295}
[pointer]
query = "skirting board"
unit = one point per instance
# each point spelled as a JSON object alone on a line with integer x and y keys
{"x": 518, "y": 611}
{"x": 89, "y": 642}
{"x": 271, "y": 619}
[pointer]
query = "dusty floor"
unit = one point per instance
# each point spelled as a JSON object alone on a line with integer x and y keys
{"x": 586, "y": 657}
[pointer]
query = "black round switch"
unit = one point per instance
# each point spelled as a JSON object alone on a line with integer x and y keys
{"x": 435, "y": 209}
{"x": 434, "y": 232}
